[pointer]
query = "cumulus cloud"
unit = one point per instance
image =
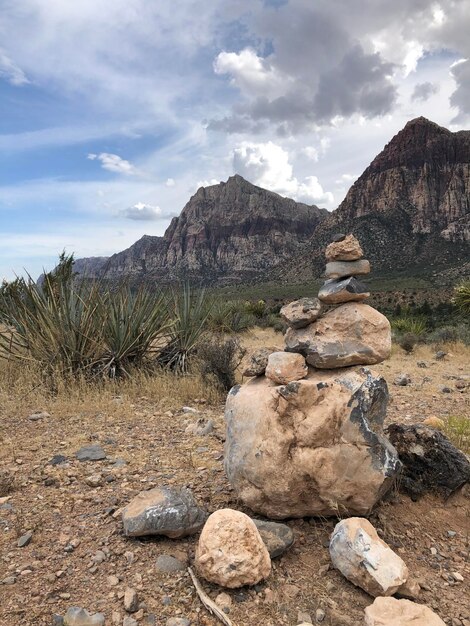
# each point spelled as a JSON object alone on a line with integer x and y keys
{"x": 114, "y": 163}
{"x": 461, "y": 96}
{"x": 268, "y": 165}
{"x": 423, "y": 91}
{"x": 207, "y": 183}
{"x": 170, "y": 182}
{"x": 142, "y": 211}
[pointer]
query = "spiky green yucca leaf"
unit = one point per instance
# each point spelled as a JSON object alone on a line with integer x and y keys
{"x": 134, "y": 324}
{"x": 408, "y": 324}
{"x": 191, "y": 309}
{"x": 462, "y": 297}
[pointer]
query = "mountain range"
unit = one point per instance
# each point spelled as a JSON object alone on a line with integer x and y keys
{"x": 410, "y": 209}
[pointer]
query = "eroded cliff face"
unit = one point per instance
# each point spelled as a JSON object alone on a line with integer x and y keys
{"x": 410, "y": 208}
{"x": 425, "y": 171}
{"x": 226, "y": 233}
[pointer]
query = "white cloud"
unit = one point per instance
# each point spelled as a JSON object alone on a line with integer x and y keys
{"x": 268, "y": 165}
{"x": 207, "y": 183}
{"x": 311, "y": 153}
{"x": 11, "y": 72}
{"x": 114, "y": 163}
{"x": 251, "y": 73}
{"x": 142, "y": 211}
{"x": 170, "y": 182}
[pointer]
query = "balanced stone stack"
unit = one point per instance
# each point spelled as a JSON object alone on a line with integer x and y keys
{"x": 304, "y": 435}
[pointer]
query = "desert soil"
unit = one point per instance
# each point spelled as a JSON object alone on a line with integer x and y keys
{"x": 59, "y": 506}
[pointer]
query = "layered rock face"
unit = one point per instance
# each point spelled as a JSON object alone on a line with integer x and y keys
{"x": 410, "y": 207}
{"x": 308, "y": 440}
{"x": 228, "y": 232}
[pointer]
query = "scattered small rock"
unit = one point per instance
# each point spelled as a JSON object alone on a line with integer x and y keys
{"x": 402, "y": 380}
{"x": 434, "y": 422}
{"x": 57, "y": 620}
{"x": 320, "y": 615}
{"x": 446, "y": 389}
{"x": 131, "y": 600}
{"x": 422, "y": 364}
{"x": 390, "y": 612}
{"x": 91, "y": 453}
{"x": 129, "y": 621}
{"x": 25, "y": 540}
{"x": 224, "y": 602}
{"x": 362, "y": 557}
{"x": 276, "y": 537}
{"x": 167, "y": 564}
{"x": 230, "y": 551}
{"x": 257, "y": 362}
{"x": 95, "y": 480}
{"x": 77, "y": 616}
{"x": 440, "y": 355}
{"x": 35, "y": 417}
{"x": 201, "y": 428}
{"x": 189, "y": 409}
{"x": 178, "y": 621}
{"x": 9, "y": 580}
{"x": 58, "y": 459}
{"x": 168, "y": 511}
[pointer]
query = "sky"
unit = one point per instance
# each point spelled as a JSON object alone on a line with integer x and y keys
{"x": 112, "y": 114}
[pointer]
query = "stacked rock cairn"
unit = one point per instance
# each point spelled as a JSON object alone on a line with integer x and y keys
{"x": 304, "y": 435}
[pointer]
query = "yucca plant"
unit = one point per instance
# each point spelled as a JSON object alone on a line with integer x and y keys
{"x": 462, "y": 297}
{"x": 408, "y": 324}
{"x": 190, "y": 309}
{"x": 229, "y": 317}
{"x": 135, "y": 324}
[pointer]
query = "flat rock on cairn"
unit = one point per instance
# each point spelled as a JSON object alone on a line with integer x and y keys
{"x": 165, "y": 511}
{"x": 301, "y": 312}
{"x": 312, "y": 444}
{"x": 230, "y": 551}
{"x": 283, "y": 367}
{"x": 364, "y": 559}
{"x": 393, "y": 612}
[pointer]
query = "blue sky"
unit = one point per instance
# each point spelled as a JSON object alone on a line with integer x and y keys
{"x": 112, "y": 114}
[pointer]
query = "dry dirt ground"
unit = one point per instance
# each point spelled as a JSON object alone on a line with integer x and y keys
{"x": 57, "y": 504}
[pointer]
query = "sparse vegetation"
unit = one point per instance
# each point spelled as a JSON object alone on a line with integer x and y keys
{"x": 457, "y": 429}
{"x": 220, "y": 357}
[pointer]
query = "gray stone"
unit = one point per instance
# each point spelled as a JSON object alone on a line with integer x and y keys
{"x": 440, "y": 355}
{"x": 9, "y": 580}
{"x": 338, "y": 237}
{"x": 351, "y": 334}
{"x": 346, "y": 290}
{"x": 178, "y": 621}
{"x": 150, "y": 620}
{"x": 76, "y": 616}
{"x": 58, "y": 459}
{"x": 301, "y": 313}
{"x": 129, "y": 621}
{"x": 168, "y": 511}
{"x": 167, "y": 564}
{"x": 91, "y": 453}
{"x": 25, "y": 540}
{"x": 402, "y": 380}
{"x": 131, "y": 600}
{"x": 276, "y": 537}
{"x": 257, "y": 362}
{"x": 57, "y": 620}
{"x": 341, "y": 269}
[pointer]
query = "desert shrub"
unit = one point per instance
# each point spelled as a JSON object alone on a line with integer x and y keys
{"x": 229, "y": 317}
{"x": 450, "y": 334}
{"x": 70, "y": 327}
{"x": 409, "y": 324}
{"x": 457, "y": 429}
{"x": 220, "y": 357}
{"x": 258, "y": 308}
{"x": 190, "y": 310}
{"x": 408, "y": 342}
{"x": 462, "y": 297}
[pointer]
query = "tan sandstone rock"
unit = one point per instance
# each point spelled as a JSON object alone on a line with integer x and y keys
{"x": 349, "y": 249}
{"x": 363, "y": 558}
{"x": 324, "y": 431}
{"x": 352, "y": 334}
{"x": 284, "y": 367}
{"x": 392, "y": 612}
{"x": 231, "y": 552}
{"x": 301, "y": 312}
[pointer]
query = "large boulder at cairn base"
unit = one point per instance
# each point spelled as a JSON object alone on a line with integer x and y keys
{"x": 231, "y": 552}
{"x": 352, "y": 334}
{"x": 392, "y": 612}
{"x": 363, "y": 558}
{"x": 312, "y": 447}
